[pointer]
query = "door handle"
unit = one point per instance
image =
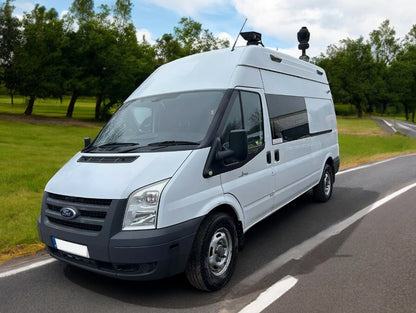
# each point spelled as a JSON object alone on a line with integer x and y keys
{"x": 269, "y": 157}
{"x": 276, "y": 155}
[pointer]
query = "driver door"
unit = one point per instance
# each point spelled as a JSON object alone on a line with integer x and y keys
{"x": 250, "y": 181}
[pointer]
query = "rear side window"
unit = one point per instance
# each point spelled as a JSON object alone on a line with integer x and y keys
{"x": 288, "y": 117}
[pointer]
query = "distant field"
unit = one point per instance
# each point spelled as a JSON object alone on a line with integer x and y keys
{"x": 84, "y": 107}
{"x": 33, "y": 148}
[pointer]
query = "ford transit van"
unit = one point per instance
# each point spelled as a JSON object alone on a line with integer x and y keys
{"x": 205, "y": 148}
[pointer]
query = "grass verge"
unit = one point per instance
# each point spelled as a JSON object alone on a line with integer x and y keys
{"x": 362, "y": 141}
{"x": 84, "y": 107}
{"x": 31, "y": 151}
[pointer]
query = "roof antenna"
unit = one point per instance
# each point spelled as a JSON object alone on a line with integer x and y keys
{"x": 235, "y": 42}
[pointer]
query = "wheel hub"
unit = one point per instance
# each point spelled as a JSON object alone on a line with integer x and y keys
{"x": 220, "y": 252}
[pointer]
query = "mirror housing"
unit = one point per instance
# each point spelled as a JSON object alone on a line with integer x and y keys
{"x": 238, "y": 148}
{"x": 238, "y": 144}
{"x": 87, "y": 142}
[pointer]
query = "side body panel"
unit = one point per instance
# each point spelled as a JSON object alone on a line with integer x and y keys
{"x": 298, "y": 163}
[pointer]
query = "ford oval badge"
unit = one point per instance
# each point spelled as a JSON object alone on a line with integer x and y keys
{"x": 68, "y": 213}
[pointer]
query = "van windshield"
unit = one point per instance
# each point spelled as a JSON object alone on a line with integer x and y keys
{"x": 178, "y": 119}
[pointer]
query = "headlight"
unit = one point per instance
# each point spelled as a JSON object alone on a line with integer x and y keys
{"x": 142, "y": 207}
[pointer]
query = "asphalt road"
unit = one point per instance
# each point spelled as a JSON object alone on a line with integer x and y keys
{"x": 393, "y": 126}
{"x": 367, "y": 267}
{"x": 409, "y": 129}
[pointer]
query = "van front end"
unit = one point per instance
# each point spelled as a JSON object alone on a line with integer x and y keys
{"x": 94, "y": 240}
{"x": 100, "y": 212}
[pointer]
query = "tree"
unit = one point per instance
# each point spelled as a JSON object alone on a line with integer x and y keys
{"x": 122, "y": 12}
{"x": 168, "y": 49}
{"x": 39, "y": 59}
{"x": 105, "y": 58}
{"x": 10, "y": 39}
{"x": 77, "y": 51}
{"x": 402, "y": 79}
{"x": 384, "y": 44}
{"x": 410, "y": 38}
{"x": 351, "y": 72}
{"x": 194, "y": 39}
{"x": 189, "y": 38}
{"x": 82, "y": 10}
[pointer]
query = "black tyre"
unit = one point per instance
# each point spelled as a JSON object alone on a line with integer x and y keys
{"x": 323, "y": 191}
{"x": 214, "y": 253}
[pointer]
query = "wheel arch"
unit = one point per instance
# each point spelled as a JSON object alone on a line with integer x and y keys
{"x": 330, "y": 162}
{"x": 230, "y": 210}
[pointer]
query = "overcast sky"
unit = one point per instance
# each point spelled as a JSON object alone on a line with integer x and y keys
{"x": 278, "y": 20}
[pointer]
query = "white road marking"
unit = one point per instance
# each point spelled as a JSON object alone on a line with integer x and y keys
{"x": 297, "y": 252}
{"x": 26, "y": 268}
{"x": 390, "y": 125}
{"x": 270, "y": 295}
{"x": 406, "y": 126}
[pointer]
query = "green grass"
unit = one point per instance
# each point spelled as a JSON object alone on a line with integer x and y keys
{"x": 33, "y": 149}
{"x": 84, "y": 107}
{"x": 30, "y": 153}
{"x": 361, "y": 141}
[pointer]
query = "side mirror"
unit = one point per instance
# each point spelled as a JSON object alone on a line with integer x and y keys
{"x": 238, "y": 146}
{"x": 237, "y": 151}
{"x": 87, "y": 142}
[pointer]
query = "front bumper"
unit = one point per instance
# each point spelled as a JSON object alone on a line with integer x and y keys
{"x": 133, "y": 255}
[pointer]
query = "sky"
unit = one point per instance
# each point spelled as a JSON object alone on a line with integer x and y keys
{"x": 278, "y": 20}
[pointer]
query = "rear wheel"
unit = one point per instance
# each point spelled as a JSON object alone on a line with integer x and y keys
{"x": 323, "y": 191}
{"x": 214, "y": 253}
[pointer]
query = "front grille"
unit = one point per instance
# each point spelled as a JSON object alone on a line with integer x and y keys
{"x": 75, "y": 224}
{"x": 91, "y": 213}
{"x": 96, "y": 214}
{"x": 106, "y": 202}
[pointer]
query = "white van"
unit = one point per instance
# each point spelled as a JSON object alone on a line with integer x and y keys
{"x": 205, "y": 148}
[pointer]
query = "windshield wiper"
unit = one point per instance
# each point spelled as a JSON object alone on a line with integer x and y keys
{"x": 174, "y": 143}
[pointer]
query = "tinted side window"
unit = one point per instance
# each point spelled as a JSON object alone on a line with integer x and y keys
{"x": 288, "y": 117}
{"x": 253, "y": 118}
{"x": 245, "y": 113}
{"x": 234, "y": 120}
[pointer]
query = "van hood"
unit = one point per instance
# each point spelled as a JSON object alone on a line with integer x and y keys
{"x": 95, "y": 178}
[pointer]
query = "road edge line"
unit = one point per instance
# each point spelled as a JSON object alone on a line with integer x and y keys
{"x": 26, "y": 268}
{"x": 270, "y": 295}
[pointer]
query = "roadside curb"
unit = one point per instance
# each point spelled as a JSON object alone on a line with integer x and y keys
{"x": 23, "y": 261}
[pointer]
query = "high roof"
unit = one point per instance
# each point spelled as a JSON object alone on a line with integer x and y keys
{"x": 217, "y": 70}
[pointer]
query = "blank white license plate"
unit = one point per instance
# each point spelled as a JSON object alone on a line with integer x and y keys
{"x": 71, "y": 247}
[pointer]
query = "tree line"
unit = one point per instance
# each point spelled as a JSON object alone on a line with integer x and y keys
{"x": 87, "y": 52}
{"x": 374, "y": 74}
{"x": 96, "y": 53}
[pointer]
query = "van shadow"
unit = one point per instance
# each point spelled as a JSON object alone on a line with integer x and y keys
{"x": 283, "y": 230}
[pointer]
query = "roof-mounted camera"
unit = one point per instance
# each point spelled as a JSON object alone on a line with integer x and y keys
{"x": 252, "y": 38}
{"x": 303, "y": 38}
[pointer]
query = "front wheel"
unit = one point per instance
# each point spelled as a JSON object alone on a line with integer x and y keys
{"x": 214, "y": 253}
{"x": 323, "y": 191}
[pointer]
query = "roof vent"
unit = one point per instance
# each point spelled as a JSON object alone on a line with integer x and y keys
{"x": 253, "y": 38}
